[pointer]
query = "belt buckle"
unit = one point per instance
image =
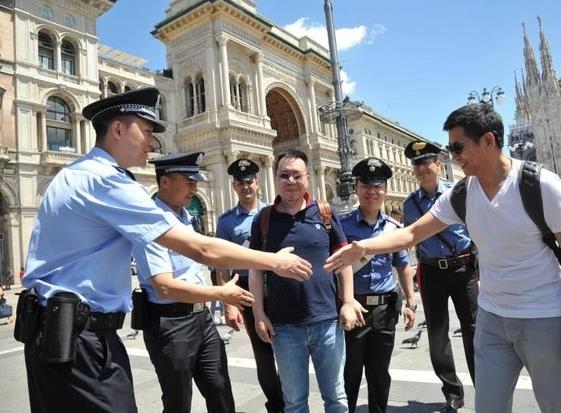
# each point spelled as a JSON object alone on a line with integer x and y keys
{"x": 198, "y": 307}
{"x": 372, "y": 300}
{"x": 443, "y": 264}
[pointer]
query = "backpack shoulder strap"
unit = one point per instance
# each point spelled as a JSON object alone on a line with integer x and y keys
{"x": 264, "y": 221}
{"x": 458, "y": 198}
{"x": 326, "y": 214}
{"x": 531, "y": 193}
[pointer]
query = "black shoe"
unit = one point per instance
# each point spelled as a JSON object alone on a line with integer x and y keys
{"x": 452, "y": 405}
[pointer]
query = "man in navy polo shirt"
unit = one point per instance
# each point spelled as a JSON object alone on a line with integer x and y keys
{"x": 301, "y": 317}
{"x": 375, "y": 289}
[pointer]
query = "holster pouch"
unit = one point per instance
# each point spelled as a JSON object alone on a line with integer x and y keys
{"x": 27, "y": 316}
{"x": 140, "y": 317}
{"x": 65, "y": 318}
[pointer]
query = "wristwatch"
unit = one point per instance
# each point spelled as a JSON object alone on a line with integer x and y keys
{"x": 412, "y": 307}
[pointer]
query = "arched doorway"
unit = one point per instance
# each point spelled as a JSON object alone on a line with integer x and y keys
{"x": 197, "y": 210}
{"x": 286, "y": 119}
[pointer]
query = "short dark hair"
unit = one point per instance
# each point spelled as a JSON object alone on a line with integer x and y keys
{"x": 477, "y": 119}
{"x": 102, "y": 127}
{"x": 291, "y": 153}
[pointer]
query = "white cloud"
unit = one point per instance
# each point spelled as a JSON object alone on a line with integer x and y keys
{"x": 348, "y": 86}
{"x": 347, "y": 37}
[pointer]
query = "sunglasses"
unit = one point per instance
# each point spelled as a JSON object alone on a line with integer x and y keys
{"x": 456, "y": 148}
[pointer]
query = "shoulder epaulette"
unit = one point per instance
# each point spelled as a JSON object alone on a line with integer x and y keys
{"x": 229, "y": 211}
{"x": 393, "y": 221}
{"x": 411, "y": 195}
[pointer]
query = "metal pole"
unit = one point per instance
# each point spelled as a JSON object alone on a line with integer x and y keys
{"x": 345, "y": 184}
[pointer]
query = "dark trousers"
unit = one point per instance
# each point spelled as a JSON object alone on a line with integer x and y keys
{"x": 436, "y": 287}
{"x": 100, "y": 380}
{"x": 373, "y": 352}
{"x": 187, "y": 347}
{"x": 267, "y": 374}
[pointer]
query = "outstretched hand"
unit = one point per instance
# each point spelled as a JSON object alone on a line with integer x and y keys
{"x": 235, "y": 295}
{"x": 292, "y": 266}
{"x": 344, "y": 256}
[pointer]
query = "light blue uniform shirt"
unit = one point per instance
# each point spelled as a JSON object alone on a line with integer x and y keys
{"x": 375, "y": 277}
{"x": 234, "y": 225}
{"x": 90, "y": 217}
{"x": 154, "y": 259}
{"x": 456, "y": 235}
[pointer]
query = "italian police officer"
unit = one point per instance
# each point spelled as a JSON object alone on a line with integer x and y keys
{"x": 235, "y": 225}
{"x": 446, "y": 269}
{"x": 180, "y": 336}
{"x": 370, "y": 347}
{"x": 78, "y": 268}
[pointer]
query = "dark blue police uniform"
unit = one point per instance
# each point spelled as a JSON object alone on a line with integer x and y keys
{"x": 235, "y": 225}
{"x": 446, "y": 269}
{"x": 375, "y": 288}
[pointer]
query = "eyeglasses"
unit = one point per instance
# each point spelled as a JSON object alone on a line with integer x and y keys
{"x": 456, "y": 148}
{"x": 284, "y": 176}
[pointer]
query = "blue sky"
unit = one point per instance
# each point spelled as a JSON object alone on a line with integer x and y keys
{"x": 411, "y": 61}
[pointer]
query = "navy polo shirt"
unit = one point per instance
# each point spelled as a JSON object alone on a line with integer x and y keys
{"x": 313, "y": 300}
{"x": 433, "y": 247}
{"x": 376, "y": 277}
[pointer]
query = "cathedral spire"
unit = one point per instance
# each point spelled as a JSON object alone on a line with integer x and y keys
{"x": 532, "y": 75}
{"x": 548, "y": 72}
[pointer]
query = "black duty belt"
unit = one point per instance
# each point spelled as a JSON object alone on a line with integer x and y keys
{"x": 97, "y": 321}
{"x": 176, "y": 309}
{"x": 446, "y": 263}
{"x": 371, "y": 300}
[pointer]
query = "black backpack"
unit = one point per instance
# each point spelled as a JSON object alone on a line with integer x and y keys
{"x": 530, "y": 190}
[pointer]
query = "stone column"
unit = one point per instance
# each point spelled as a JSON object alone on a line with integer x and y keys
{"x": 269, "y": 164}
{"x": 313, "y": 108}
{"x": 210, "y": 83}
{"x": 314, "y": 182}
{"x": 322, "y": 170}
{"x": 43, "y": 131}
{"x": 77, "y": 133}
{"x": 195, "y": 97}
{"x": 58, "y": 60}
{"x": 260, "y": 85}
{"x": 223, "y": 42}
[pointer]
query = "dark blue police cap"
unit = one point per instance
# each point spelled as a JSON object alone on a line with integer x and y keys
{"x": 185, "y": 163}
{"x": 138, "y": 102}
{"x": 243, "y": 169}
{"x": 372, "y": 171}
{"x": 420, "y": 151}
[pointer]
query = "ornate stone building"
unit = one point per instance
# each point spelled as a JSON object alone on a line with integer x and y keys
{"x": 538, "y": 108}
{"x": 235, "y": 85}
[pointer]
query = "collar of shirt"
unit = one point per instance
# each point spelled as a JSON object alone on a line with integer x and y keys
{"x": 184, "y": 217}
{"x": 240, "y": 210}
{"x": 439, "y": 190}
{"x": 102, "y": 156}
{"x": 307, "y": 197}
{"x": 378, "y": 225}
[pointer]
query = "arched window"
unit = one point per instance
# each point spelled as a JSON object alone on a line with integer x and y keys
{"x": 112, "y": 88}
{"x": 46, "y": 51}
{"x": 59, "y": 128}
{"x": 201, "y": 99}
{"x": 189, "y": 98}
{"x": 234, "y": 98}
{"x": 161, "y": 109}
{"x": 157, "y": 145}
{"x": 68, "y": 57}
{"x": 243, "y": 95}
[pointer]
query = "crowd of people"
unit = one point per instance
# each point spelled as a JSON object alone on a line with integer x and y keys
{"x": 306, "y": 282}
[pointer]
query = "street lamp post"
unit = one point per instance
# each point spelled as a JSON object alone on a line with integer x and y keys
{"x": 487, "y": 96}
{"x": 340, "y": 112}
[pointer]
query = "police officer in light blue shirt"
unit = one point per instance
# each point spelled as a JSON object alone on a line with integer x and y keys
{"x": 371, "y": 347}
{"x": 446, "y": 269}
{"x": 181, "y": 339}
{"x": 91, "y": 216}
{"x": 235, "y": 225}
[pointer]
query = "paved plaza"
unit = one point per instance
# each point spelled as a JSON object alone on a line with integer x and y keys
{"x": 414, "y": 388}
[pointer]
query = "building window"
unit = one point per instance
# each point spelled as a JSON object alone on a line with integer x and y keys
{"x": 112, "y": 89}
{"x": 68, "y": 58}
{"x": 201, "y": 99}
{"x": 46, "y": 51}
{"x": 244, "y": 96}
{"x": 189, "y": 98}
{"x": 59, "y": 128}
